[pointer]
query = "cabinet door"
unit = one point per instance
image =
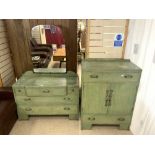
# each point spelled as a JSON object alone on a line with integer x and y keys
{"x": 93, "y": 98}
{"x": 122, "y": 98}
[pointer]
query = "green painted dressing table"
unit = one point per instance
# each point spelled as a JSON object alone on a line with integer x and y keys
{"x": 47, "y": 93}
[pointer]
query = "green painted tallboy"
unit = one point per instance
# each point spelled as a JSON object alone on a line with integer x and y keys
{"x": 109, "y": 88}
{"x": 47, "y": 94}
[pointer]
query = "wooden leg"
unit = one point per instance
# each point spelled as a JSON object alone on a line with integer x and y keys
{"x": 124, "y": 126}
{"x": 86, "y": 126}
{"x": 73, "y": 116}
{"x": 23, "y": 116}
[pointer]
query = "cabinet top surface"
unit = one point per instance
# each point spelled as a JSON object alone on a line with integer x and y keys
{"x": 30, "y": 79}
{"x": 103, "y": 65}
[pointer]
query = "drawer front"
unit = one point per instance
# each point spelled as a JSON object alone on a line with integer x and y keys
{"x": 19, "y": 91}
{"x": 46, "y": 91}
{"x": 49, "y": 110}
{"x": 111, "y": 77}
{"x": 121, "y": 77}
{"x": 45, "y": 100}
{"x": 106, "y": 119}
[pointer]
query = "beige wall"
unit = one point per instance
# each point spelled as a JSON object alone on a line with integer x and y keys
{"x": 140, "y": 49}
{"x": 100, "y": 38}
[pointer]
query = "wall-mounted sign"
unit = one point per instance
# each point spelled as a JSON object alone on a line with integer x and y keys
{"x": 118, "y": 40}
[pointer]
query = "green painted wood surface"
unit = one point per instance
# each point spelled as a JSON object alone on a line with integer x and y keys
{"x": 123, "y": 98}
{"x": 70, "y": 99}
{"x": 109, "y": 88}
{"x": 108, "y": 65}
{"x": 47, "y": 94}
{"x": 87, "y": 120}
{"x": 94, "y": 95}
{"x": 48, "y": 110}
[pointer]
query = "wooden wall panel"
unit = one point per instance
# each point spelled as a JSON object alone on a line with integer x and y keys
{"x": 72, "y": 46}
{"x": 40, "y": 21}
{"x": 48, "y": 22}
{"x": 57, "y": 22}
{"x": 1, "y": 82}
{"x": 19, "y": 38}
{"x": 33, "y": 22}
{"x": 7, "y": 76}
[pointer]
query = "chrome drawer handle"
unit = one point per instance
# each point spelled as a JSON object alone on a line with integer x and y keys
{"x": 46, "y": 91}
{"x": 127, "y": 76}
{"x": 27, "y": 99}
{"x": 121, "y": 119}
{"x": 66, "y": 108}
{"x": 94, "y": 76}
{"x": 28, "y": 109}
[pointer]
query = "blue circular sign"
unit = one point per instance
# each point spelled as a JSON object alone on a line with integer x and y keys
{"x": 119, "y": 37}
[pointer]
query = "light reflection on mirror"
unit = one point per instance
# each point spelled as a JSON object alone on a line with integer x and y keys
{"x": 81, "y": 39}
{"x": 48, "y": 48}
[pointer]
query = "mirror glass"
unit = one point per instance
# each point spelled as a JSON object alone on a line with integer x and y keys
{"x": 81, "y": 39}
{"x": 48, "y": 48}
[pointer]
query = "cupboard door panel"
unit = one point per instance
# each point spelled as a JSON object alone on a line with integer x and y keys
{"x": 123, "y": 98}
{"x": 94, "y": 96}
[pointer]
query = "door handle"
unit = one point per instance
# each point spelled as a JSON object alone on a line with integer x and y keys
{"x": 27, "y": 99}
{"x": 108, "y": 103}
{"x": 127, "y": 76}
{"x": 108, "y": 97}
{"x": 91, "y": 118}
{"x": 121, "y": 119}
{"x": 67, "y": 98}
{"x": 94, "y": 76}
{"x": 66, "y": 108}
{"x": 28, "y": 109}
{"x": 46, "y": 91}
